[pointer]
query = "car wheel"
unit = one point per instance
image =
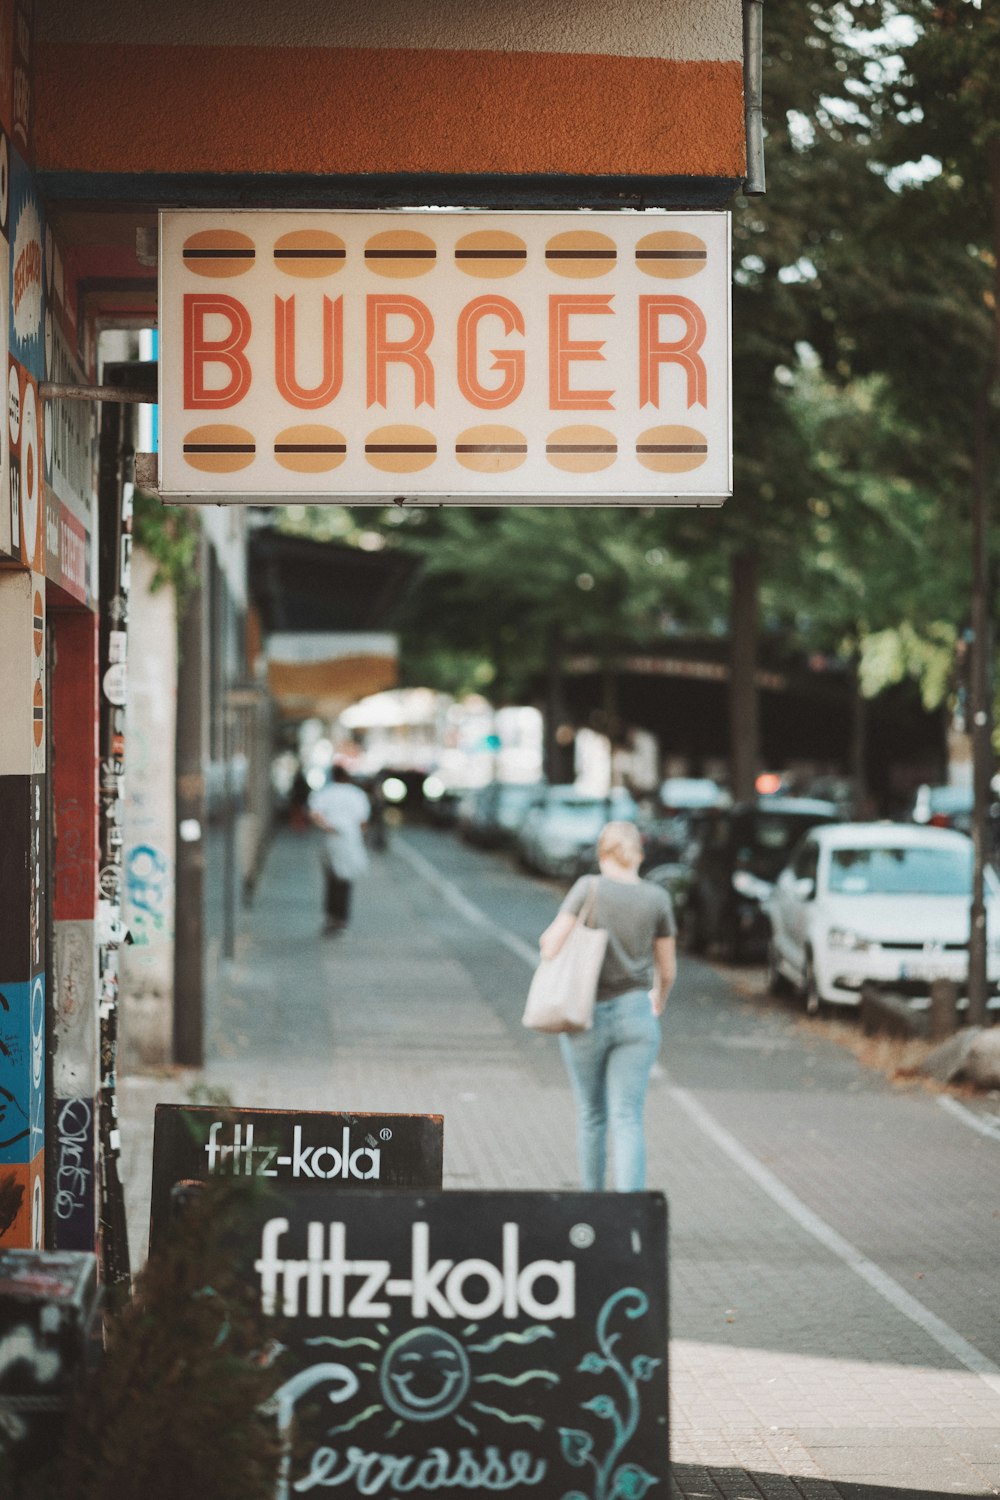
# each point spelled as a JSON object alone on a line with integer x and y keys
{"x": 777, "y": 984}
{"x": 810, "y": 993}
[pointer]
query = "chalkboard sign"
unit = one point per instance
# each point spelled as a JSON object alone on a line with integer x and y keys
{"x": 468, "y": 1342}
{"x": 298, "y": 1152}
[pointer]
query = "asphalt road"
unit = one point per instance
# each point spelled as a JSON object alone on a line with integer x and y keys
{"x": 834, "y": 1236}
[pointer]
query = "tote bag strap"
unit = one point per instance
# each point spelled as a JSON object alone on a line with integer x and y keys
{"x": 587, "y": 909}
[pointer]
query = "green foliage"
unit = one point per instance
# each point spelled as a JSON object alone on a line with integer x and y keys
{"x": 170, "y": 534}
{"x": 890, "y": 656}
{"x": 864, "y": 330}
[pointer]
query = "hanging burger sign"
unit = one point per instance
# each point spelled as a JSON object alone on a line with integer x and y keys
{"x": 475, "y": 358}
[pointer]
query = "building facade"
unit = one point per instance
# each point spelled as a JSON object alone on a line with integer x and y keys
{"x": 109, "y": 112}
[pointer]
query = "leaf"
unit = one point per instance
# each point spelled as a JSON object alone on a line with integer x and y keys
{"x": 643, "y": 1366}
{"x": 592, "y": 1364}
{"x": 576, "y": 1446}
{"x": 631, "y": 1483}
{"x": 601, "y": 1406}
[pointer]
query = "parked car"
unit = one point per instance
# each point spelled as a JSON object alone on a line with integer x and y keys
{"x": 887, "y": 903}
{"x": 441, "y": 801}
{"x": 559, "y": 832}
{"x": 683, "y": 794}
{"x": 666, "y": 833}
{"x": 492, "y": 814}
{"x": 736, "y": 855}
{"x": 943, "y": 807}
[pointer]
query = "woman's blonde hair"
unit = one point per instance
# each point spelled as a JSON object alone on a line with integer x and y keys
{"x": 620, "y": 842}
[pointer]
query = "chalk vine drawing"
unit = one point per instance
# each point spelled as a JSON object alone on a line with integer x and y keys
{"x": 626, "y": 1481}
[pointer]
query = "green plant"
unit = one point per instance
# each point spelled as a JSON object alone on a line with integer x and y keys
{"x": 170, "y": 535}
{"x": 175, "y": 1406}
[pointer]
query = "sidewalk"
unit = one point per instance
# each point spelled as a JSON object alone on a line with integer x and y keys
{"x": 833, "y": 1323}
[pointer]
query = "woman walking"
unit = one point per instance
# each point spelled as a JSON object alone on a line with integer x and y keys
{"x": 609, "y": 1066}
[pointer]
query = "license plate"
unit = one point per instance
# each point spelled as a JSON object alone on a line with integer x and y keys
{"x": 927, "y": 972}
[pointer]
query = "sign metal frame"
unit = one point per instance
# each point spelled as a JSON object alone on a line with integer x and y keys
{"x": 636, "y": 487}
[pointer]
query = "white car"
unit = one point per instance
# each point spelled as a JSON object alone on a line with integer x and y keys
{"x": 876, "y": 901}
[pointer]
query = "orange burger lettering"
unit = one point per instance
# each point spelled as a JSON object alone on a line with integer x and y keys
{"x": 227, "y": 351}
{"x": 410, "y": 351}
{"x": 328, "y": 388}
{"x": 654, "y": 351}
{"x": 508, "y": 362}
{"x": 565, "y": 351}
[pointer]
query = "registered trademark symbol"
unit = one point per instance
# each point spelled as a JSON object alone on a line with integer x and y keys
{"x": 385, "y": 1135}
{"x": 582, "y": 1236}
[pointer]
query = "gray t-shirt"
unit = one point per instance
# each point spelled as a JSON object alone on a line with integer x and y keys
{"x": 634, "y": 914}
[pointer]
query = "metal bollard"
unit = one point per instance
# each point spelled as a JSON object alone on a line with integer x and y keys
{"x": 943, "y": 1018}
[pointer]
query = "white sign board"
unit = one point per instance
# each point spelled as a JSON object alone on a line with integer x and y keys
{"x": 477, "y": 358}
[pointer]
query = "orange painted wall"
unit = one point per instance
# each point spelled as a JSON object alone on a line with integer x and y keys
{"x": 324, "y": 110}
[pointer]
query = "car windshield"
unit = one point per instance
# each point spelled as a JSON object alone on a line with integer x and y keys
{"x": 511, "y": 797}
{"x": 914, "y": 870}
{"x": 575, "y": 813}
{"x": 768, "y": 838}
{"x": 950, "y": 799}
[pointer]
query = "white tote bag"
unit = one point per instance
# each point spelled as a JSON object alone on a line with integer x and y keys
{"x": 564, "y": 989}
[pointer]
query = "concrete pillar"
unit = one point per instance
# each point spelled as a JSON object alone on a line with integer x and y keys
{"x": 147, "y": 964}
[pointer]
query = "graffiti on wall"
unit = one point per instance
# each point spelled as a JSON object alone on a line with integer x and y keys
{"x": 147, "y": 879}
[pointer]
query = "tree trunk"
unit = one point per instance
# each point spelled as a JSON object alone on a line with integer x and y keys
{"x": 558, "y": 747}
{"x": 859, "y": 743}
{"x": 981, "y": 686}
{"x": 744, "y": 727}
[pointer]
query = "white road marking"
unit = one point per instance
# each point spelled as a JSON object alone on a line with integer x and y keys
{"x": 946, "y": 1337}
{"x": 988, "y": 1127}
{"x": 890, "y": 1290}
{"x": 462, "y": 904}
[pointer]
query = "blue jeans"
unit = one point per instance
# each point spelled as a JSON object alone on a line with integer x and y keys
{"x": 609, "y": 1068}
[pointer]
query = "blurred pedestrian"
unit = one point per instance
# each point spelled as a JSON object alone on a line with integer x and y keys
{"x": 298, "y": 799}
{"x": 341, "y": 810}
{"x": 610, "y": 1065}
{"x": 378, "y": 836}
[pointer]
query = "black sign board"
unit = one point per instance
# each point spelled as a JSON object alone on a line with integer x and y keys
{"x": 291, "y": 1151}
{"x": 468, "y": 1342}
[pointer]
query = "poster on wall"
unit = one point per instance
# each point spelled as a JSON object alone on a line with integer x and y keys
{"x": 70, "y": 437}
{"x": 26, "y": 367}
{"x": 477, "y": 358}
{"x": 469, "y": 1342}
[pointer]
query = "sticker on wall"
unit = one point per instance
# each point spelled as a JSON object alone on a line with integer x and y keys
{"x": 69, "y": 436}
{"x": 116, "y": 683}
{"x": 4, "y": 184}
{"x": 21, "y": 1206}
{"x": 30, "y": 479}
{"x": 22, "y": 1070}
{"x": 27, "y": 292}
{"x": 9, "y": 540}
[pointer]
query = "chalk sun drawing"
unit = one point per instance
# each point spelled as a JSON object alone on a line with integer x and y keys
{"x": 428, "y": 1374}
